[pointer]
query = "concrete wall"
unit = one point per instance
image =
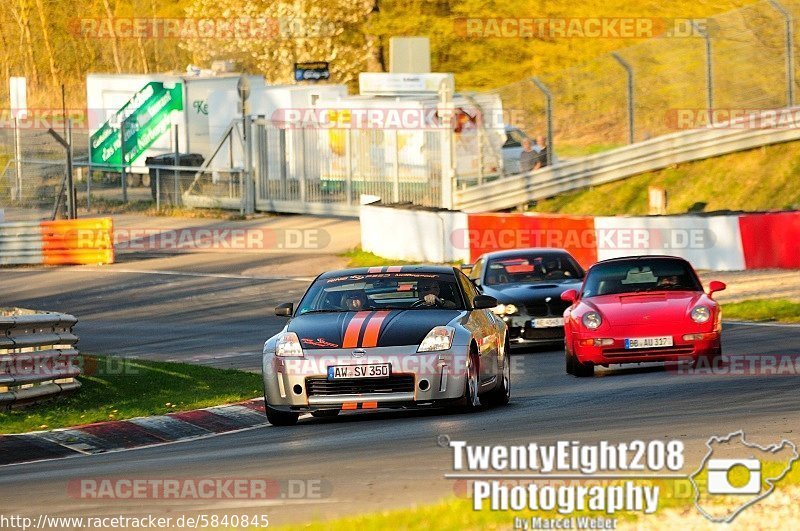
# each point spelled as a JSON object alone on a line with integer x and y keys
{"x": 731, "y": 242}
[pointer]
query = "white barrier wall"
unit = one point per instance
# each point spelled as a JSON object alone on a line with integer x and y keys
{"x": 712, "y": 242}
{"x": 412, "y": 235}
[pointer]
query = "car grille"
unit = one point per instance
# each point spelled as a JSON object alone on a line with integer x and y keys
{"x": 403, "y": 383}
{"x": 546, "y": 309}
{"x": 655, "y": 352}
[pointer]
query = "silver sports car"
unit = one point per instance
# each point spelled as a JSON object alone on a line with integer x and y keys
{"x": 386, "y": 337}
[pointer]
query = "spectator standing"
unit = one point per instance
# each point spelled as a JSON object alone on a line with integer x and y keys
{"x": 528, "y": 156}
{"x": 541, "y": 159}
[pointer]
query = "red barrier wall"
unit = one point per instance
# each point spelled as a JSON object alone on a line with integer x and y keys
{"x": 493, "y": 232}
{"x": 771, "y": 240}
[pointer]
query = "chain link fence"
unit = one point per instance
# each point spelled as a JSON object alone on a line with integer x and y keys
{"x": 734, "y": 63}
{"x": 696, "y": 73}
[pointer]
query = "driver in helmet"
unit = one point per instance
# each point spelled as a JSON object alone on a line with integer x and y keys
{"x": 429, "y": 294}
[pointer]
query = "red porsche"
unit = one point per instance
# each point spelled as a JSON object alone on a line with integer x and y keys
{"x": 640, "y": 309}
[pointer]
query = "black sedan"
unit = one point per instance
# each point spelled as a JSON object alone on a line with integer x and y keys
{"x": 528, "y": 284}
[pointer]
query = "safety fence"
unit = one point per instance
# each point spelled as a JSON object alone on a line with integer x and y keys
{"x": 730, "y": 242}
{"x": 738, "y": 60}
{"x": 61, "y": 242}
{"x": 38, "y": 359}
{"x": 626, "y": 161}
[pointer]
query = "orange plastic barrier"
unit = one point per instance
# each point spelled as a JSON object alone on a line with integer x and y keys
{"x": 78, "y": 241}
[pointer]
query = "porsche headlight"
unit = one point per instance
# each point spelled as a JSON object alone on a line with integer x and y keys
{"x": 504, "y": 309}
{"x": 700, "y": 314}
{"x": 592, "y": 320}
{"x": 288, "y": 345}
{"x": 439, "y": 338}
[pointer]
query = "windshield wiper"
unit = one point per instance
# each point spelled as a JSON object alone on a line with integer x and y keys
{"x": 322, "y": 311}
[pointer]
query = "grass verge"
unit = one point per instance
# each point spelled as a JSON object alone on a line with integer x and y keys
{"x": 759, "y": 179}
{"x": 781, "y": 310}
{"x": 122, "y": 388}
{"x": 102, "y": 205}
{"x": 360, "y": 258}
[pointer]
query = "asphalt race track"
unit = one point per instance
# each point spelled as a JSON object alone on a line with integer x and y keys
{"x": 212, "y": 313}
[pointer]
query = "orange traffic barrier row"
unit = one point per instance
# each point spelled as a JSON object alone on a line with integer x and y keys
{"x": 77, "y": 241}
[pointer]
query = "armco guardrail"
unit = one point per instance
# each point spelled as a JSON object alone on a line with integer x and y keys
{"x": 654, "y": 154}
{"x": 38, "y": 358}
{"x": 76, "y": 241}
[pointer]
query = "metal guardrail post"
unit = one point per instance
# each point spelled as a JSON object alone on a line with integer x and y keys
{"x": 176, "y": 163}
{"x": 89, "y": 186}
{"x": 629, "y": 74}
{"x": 302, "y": 165}
{"x": 548, "y": 102}
{"x": 448, "y": 176}
{"x": 789, "y": 39}
{"x": 348, "y": 149}
{"x": 123, "y": 176}
{"x": 158, "y": 189}
{"x": 709, "y": 70}
{"x": 396, "y": 179}
{"x": 248, "y": 190}
{"x": 18, "y": 159}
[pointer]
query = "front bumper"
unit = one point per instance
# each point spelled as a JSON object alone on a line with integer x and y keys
{"x": 301, "y": 384}
{"x": 521, "y": 331}
{"x": 617, "y": 353}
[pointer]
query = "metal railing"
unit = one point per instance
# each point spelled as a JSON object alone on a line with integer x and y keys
{"x": 654, "y": 154}
{"x": 38, "y": 359}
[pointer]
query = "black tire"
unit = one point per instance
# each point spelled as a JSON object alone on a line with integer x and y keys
{"x": 471, "y": 399}
{"x": 281, "y": 418}
{"x": 569, "y": 361}
{"x": 582, "y": 370}
{"x": 501, "y": 395}
{"x": 325, "y": 413}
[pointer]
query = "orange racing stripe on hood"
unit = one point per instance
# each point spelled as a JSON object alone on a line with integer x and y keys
{"x": 354, "y": 330}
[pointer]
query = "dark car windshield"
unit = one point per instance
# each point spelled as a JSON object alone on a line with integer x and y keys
{"x": 657, "y": 274}
{"x": 527, "y": 268}
{"x": 381, "y": 291}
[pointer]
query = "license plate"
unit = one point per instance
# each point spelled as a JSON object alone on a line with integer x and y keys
{"x": 549, "y": 322}
{"x": 648, "y": 342}
{"x": 347, "y": 372}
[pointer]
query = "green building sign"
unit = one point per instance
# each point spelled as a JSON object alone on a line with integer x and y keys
{"x": 142, "y": 121}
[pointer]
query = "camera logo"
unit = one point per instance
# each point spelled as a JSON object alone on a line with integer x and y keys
{"x": 721, "y": 474}
{"x": 735, "y": 474}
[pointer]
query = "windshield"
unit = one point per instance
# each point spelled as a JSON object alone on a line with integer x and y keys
{"x": 529, "y": 268}
{"x": 382, "y": 291}
{"x": 640, "y": 276}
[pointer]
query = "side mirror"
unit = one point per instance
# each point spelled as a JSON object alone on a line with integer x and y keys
{"x": 284, "y": 310}
{"x": 483, "y": 302}
{"x": 570, "y": 295}
{"x": 715, "y": 286}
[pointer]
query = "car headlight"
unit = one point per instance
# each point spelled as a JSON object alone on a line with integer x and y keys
{"x": 700, "y": 314}
{"x": 439, "y": 338}
{"x": 288, "y": 345}
{"x": 592, "y": 320}
{"x": 504, "y": 309}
